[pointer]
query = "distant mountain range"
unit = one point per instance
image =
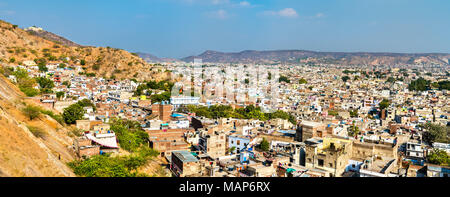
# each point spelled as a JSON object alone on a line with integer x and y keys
{"x": 153, "y": 59}
{"x": 281, "y": 56}
{"x": 304, "y": 56}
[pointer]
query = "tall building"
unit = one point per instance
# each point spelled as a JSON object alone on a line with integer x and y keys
{"x": 163, "y": 111}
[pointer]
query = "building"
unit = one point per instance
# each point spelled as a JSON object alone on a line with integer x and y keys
{"x": 184, "y": 100}
{"x": 309, "y": 130}
{"x": 168, "y": 140}
{"x": 378, "y": 166}
{"x": 84, "y": 148}
{"x": 184, "y": 164}
{"x": 437, "y": 171}
{"x": 328, "y": 154}
{"x": 213, "y": 144}
{"x": 163, "y": 111}
{"x": 414, "y": 150}
{"x": 239, "y": 143}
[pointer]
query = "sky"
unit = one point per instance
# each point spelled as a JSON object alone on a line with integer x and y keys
{"x": 180, "y": 28}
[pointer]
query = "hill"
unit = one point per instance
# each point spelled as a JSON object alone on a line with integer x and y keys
{"x": 51, "y": 37}
{"x": 304, "y": 56}
{"x": 23, "y": 153}
{"x": 18, "y": 45}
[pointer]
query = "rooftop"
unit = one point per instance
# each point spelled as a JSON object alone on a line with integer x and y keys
{"x": 185, "y": 156}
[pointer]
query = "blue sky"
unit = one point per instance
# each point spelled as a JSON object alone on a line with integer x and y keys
{"x": 179, "y": 28}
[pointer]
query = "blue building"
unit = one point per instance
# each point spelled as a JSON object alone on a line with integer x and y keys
{"x": 239, "y": 142}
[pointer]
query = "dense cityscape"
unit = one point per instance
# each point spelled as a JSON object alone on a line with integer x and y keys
{"x": 214, "y": 96}
{"x": 251, "y": 120}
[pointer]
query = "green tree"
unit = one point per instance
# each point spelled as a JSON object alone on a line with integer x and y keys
{"x": 129, "y": 134}
{"x": 354, "y": 113}
{"x": 157, "y": 98}
{"x": 73, "y": 113}
{"x": 62, "y": 65}
{"x": 436, "y": 133}
{"x": 345, "y": 78}
{"x": 45, "y": 84}
{"x": 302, "y": 81}
{"x": 59, "y": 95}
{"x": 444, "y": 85}
{"x": 354, "y": 130}
{"x": 264, "y": 145}
{"x": 384, "y": 104}
{"x": 42, "y": 67}
{"x": 439, "y": 157}
{"x": 87, "y": 103}
{"x": 419, "y": 85}
{"x": 284, "y": 78}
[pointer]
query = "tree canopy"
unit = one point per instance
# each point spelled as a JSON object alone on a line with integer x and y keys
{"x": 436, "y": 133}
{"x": 439, "y": 157}
{"x": 249, "y": 112}
{"x": 419, "y": 85}
{"x": 73, "y": 113}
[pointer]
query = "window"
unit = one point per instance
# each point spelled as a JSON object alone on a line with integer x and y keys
{"x": 330, "y": 165}
{"x": 238, "y": 142}
{"x": 320, "y": 162}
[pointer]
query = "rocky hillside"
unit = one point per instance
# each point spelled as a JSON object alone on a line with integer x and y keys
{"x": 51, "y": 36}
{"x": 22, "y": 153}
{"x": 18, "y": 45}
{"x": 302, "y": 56}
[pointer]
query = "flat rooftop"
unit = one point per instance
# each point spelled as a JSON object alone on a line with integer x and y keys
{"x": 311, "y": 124}
{"x": 184, "y": 156}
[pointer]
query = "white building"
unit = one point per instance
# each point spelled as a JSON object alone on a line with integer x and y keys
{"x": 184, "y": 100}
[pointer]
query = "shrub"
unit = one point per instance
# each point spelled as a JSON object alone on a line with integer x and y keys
{"x": 130, "y": 135}
{"x": 59, "y": 118}
{"x": 31, "y": 112}
{"x": 37, "y": 132}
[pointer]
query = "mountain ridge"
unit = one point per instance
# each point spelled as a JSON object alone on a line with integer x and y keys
{"x": 305, "y": 56}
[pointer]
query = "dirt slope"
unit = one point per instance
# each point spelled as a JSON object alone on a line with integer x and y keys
{"x": 23, "y": 154}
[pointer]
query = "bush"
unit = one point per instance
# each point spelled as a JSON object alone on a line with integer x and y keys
{"x": 264, "y": 145}
{"x": 59, "y": 95}
{"x": 76, "y": 132}
{"x": 96, "y": 67}
{"x": 32, "y": 112}
{"x": 107, "y": 166}
{"x": 57, "y": 117}
{"x": 37, "y": 132}
{"x": 439, "y": 157}
{"x": 284, "y": 78}
{"x": 30, "y": 92}
{"x": 302, "y": 81}
{"x": 130, "y": 135}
